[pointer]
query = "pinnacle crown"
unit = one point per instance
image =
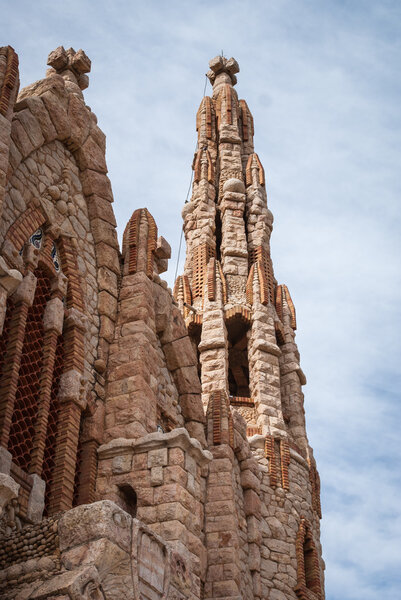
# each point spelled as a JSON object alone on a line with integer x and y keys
{"x": 219, "y": 65}
{"x": 61, "y": 61}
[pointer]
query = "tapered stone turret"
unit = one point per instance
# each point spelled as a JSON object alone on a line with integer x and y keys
{"x": 240, "y": 319}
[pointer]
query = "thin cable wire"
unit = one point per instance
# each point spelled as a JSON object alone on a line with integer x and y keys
{"x": 179, "y": 252}
{"x": 186, "y": 199}
{"x": 204, "y": 89}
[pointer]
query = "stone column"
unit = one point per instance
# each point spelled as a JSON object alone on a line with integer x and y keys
{"x": 221, "y": 527}
{"x": 199, "y": 227}
{"x": 9, "y": 281}
{"x": 291, "y": 374}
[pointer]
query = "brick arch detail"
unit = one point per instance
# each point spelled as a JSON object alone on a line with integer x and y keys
{"x": 254, "y": 160}
{"x": 197, "y": 166}
{"x": 10, "y": 80}
{"x": 226, "y": 102}
{"x": 25, "y": 225}
{"x": 247, "y": 121}
{"x": 205, "y": 117}
{"x": 21, "y": 230}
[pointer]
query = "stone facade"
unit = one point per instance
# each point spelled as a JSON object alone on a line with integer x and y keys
{"x": 152, "y": 445}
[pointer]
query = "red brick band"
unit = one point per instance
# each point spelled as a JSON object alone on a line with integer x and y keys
{"x": 10, "y": 79}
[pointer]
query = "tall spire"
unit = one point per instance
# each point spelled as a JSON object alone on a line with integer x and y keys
{"x": 237, "y": 315}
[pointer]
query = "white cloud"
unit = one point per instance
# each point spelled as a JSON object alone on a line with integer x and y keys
{"x": 322, "y": 81}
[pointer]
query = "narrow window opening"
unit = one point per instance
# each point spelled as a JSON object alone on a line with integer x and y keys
{"x": 308, "y": 577}
{"x": 238, "y": 365}
{"x": 245, "y": 217}
{"x": 218, "y": 234}
{"x": 128, "y": 499}
{"x": 309, "y": 553}
{"x": 194, "y": 332}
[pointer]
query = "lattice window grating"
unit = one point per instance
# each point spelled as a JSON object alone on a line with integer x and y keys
{"x": 26, "y": 400}
{"x": 52, "y": 423}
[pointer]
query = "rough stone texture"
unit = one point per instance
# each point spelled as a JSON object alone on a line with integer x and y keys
{"x": 163, "y": 451}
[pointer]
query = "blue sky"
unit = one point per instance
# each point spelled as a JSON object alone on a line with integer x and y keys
{"x": 322, "y": 80}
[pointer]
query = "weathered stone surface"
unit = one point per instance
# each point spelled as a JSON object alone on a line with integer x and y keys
{"x": 89, "y": 522}
{"x": 187, "y": 380}
{"x": 192, "y": 408}
{"x": 91, "y": 156}
{"x": 179, "y": 353}
{"x": 8, "y": 490}
{"x": 112, "y": 563}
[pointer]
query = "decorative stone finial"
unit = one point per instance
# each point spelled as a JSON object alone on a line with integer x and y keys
{"x": 70, "y": 62}
{"x": 220, "y": 65}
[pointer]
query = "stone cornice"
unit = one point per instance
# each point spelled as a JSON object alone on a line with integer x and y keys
{"x": 154, "y": 441}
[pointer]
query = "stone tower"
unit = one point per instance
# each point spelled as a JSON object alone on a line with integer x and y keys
{"x": 240, "y": 321}
{"x": 152, "y": 446}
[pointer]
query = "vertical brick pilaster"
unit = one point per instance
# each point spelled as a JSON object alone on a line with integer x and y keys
{"x": 65, "y": 460}
{"x": 12, "y": 364}
{"x": 271, "y": 456}
{"x": 74, "y": 344}
{"x": 284, "y": 463}
{"x": 71, "y": 406}
{"x": 87, "y": 477}
{"x": 23, "y": 299}
{"x": 220, "y": 420}
{"x": 315, "y": 488}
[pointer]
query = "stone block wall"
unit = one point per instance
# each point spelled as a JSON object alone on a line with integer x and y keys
{"x": 94, "y": 551}
{"x": 166, "y": 474}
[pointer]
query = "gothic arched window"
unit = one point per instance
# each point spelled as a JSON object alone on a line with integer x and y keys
{"x": 41, "y": 366}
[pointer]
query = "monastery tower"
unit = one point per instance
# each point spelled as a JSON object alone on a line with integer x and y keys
{"x": 152, "y": 445}
{"x": 239, "y": 319}
{"x": 241, "y": 322}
